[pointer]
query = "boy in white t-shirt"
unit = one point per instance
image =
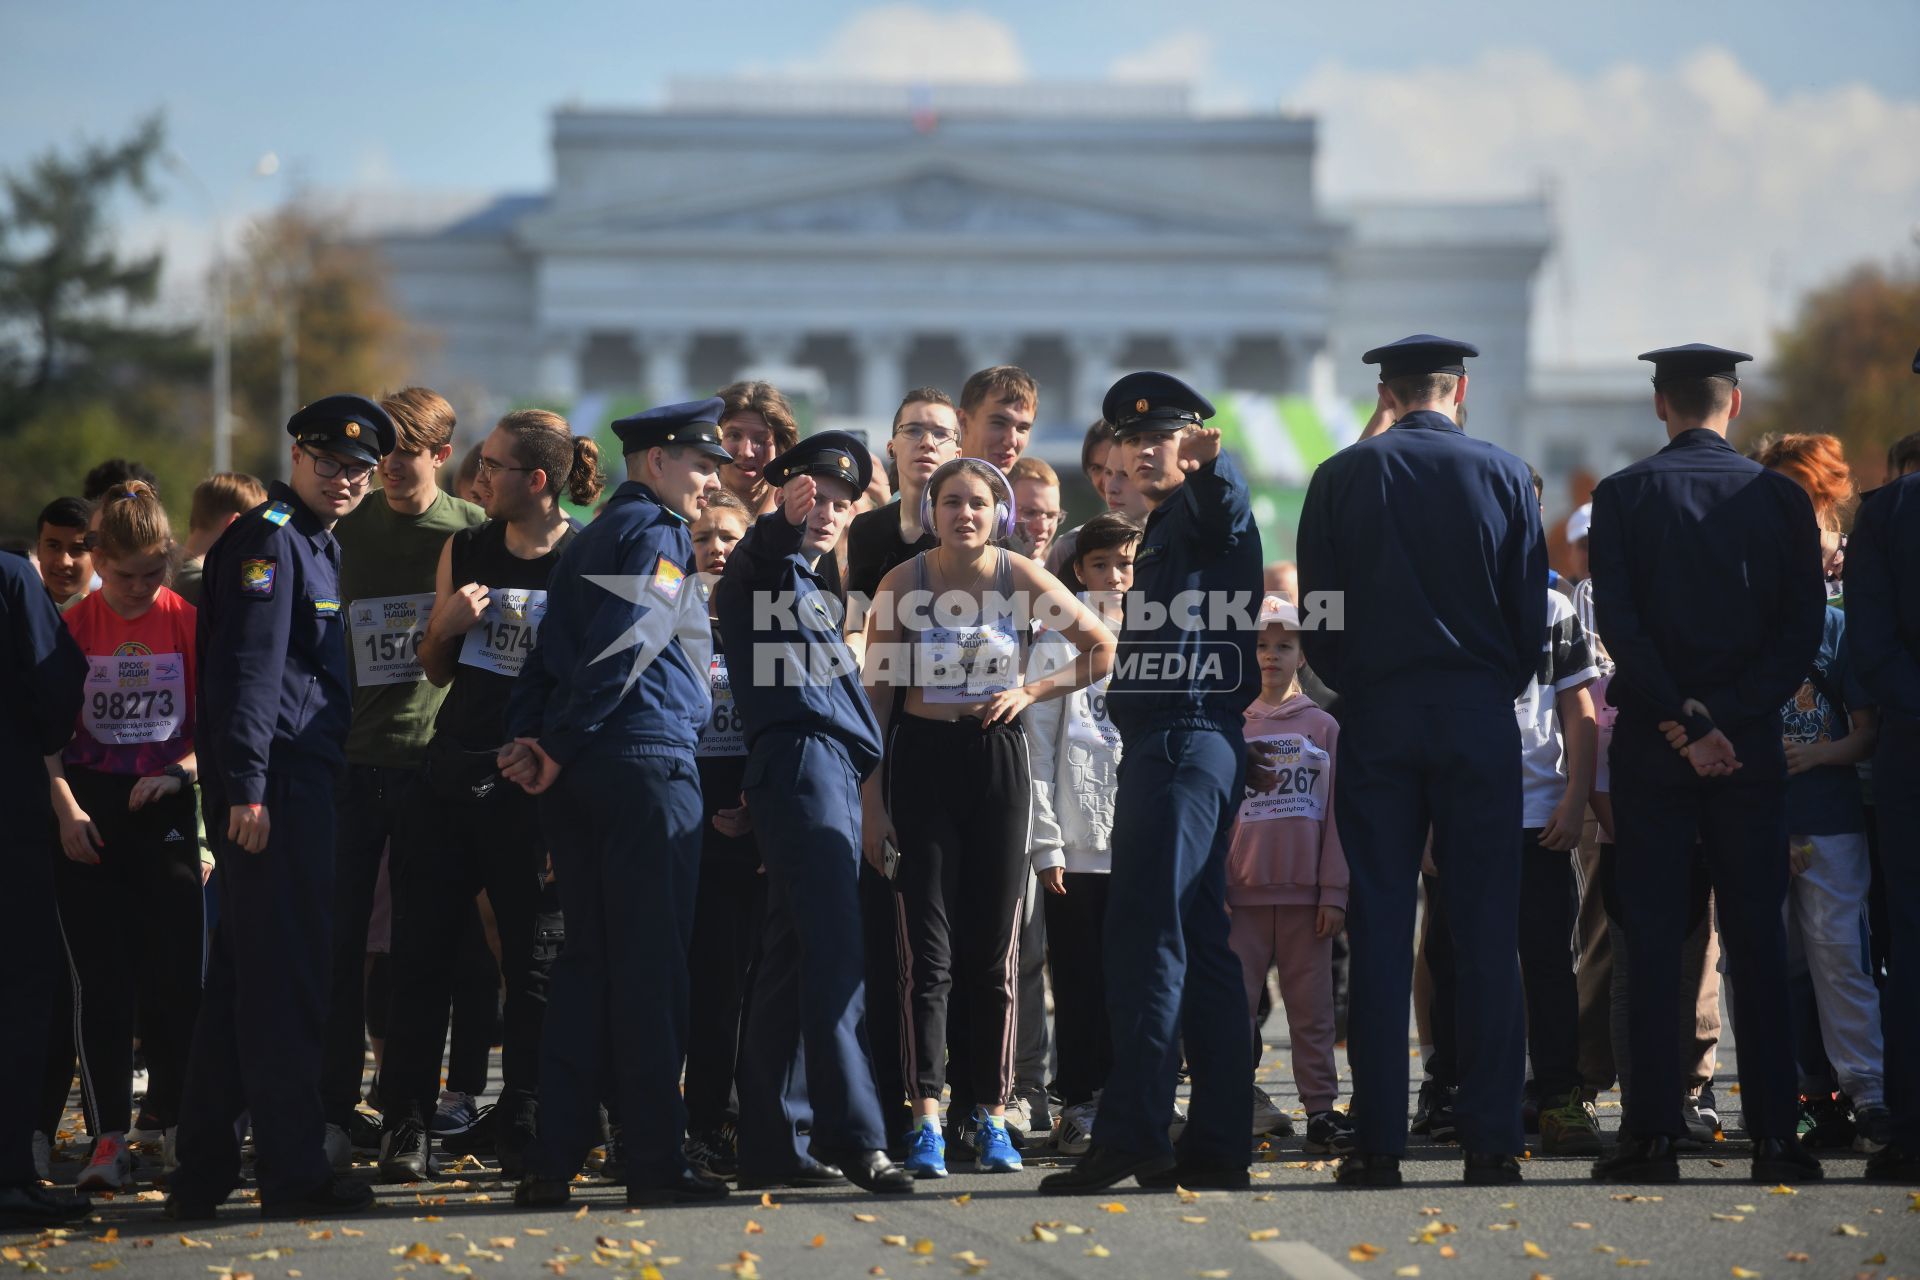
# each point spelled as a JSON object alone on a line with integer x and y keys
{"x": 1557, "y": 748}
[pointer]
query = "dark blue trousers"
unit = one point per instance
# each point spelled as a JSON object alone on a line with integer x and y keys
{"x": 1662, "y": 810}
{"x": 1402, "y": 771}
{"x": 30, "y": 965}
{"x": 805, "y": 1040}
{"x": 625, "y": 832}
{"x": 1171, "y": 976}
{"x": 1896, "y": 769}
{"x": 256, "y": 1045}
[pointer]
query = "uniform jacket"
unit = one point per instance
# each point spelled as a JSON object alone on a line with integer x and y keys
{"x": 622, "y": 653}
{"x": 41, "y": 674}
{"x": 1297, "y": 860}
{"x": 1202, "y": 540}
{"x": 1075, "y": 752}
{"x": 1706, "y": 585}
{"x": 789, "y": 666}
{"x": 273, "y": 650}
{"x": 1433, "y": 538}
{"x": 1883, "y": 596}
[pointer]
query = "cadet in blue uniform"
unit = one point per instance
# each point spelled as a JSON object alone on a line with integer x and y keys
{"x": 811, "y": 741}
{"x": 1180, "y": 686}
{"x": 1883, "y": 630}
{"x": 1432, "y": 541}
{"x": 274, "y": 703}
{"x": 1707, "y": 587}
{"x": 605, "y": 719}
{"x": 41, "y": 678}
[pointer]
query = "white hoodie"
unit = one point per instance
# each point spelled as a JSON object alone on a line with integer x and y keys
{"x": 1075, "y": 752}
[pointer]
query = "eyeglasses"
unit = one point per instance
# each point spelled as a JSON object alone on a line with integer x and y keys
{"x": 916, "y": 433}
{"x": 487, "y": 466}
{"x": 328, "y": 467}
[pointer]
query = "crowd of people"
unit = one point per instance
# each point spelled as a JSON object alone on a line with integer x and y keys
{"x": 797, "y": 815}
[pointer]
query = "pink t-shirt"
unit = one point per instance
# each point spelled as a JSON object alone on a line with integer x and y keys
{"x": 136, "y": 717}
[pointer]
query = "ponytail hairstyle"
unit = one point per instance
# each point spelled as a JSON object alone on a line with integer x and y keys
{"x": 997, "y": 484}
{"x": 132, "y": 522}
{"x": 542, "y": 440}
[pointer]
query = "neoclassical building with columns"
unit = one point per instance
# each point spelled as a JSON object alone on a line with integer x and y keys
{"x": 857, "y": 240}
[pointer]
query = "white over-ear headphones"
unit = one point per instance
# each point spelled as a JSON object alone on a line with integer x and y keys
{"x": 996, "y": 480}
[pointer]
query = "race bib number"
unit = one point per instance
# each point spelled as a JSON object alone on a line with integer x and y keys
{"x": 386, "y": 638}
{"x": 1287, "y": 777}
{"x": 724, "y": 735}
{"x": 132, "y": 698}
{"x": 504, "y": 636}
{"x": 966, "y": 665}
{"x": 1098, "y": 733}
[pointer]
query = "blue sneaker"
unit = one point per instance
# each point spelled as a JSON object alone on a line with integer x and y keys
{"x": 995, "y": 1146}
{"x": 926, "y": 1150}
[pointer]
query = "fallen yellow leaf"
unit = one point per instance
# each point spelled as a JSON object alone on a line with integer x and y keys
{"x": 1877, "y": 1260}
{"x": 1797, "y": 1257}
{"x": 191, "y": 1243}
{"x": 532, "y": 1231}
{"x": 1043, "y": 1235}
{"x": 1782, "y": 1190}
{"x": 1193, "y": 1219}
{"x": 865, "y": 1217}
{"x": 1633, "y": 1262}
{"x": 1729, "y": 1217}
{"x": 1264, "y": 1233}
{"x": 1363, "y": 1252}
{"x": 1099, "y": 1251}
{"x": 967, "y": 1198}
{"x": 898, "y": 1242}
{"x": 1114, "y": 1206}
{"x": 1449, "y": 1252}
{"x": 818, "y": 1242}
{"x": 1221, "y": 1274}
{"x": 766, "y": 1200}
{"x": 1533, "y": 1250}
{"x": 581, "y": 1214}
{"x": 1581, "y": 1226}
{"x": 500, "y": 1242}
{"x": 1741, "y": 1273}
{"x": 1848, "y": 1229}
{"x": 1745, "y": 1208}
{"x": 754, "y": 1228}
{"x": 923, "y": 1246}
{"x": 1406, "y": 1271}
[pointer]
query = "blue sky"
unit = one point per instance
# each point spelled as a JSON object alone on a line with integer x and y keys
{"x": 456, "y": 96}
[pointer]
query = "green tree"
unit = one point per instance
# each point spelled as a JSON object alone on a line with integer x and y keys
{"x": 65, "y": 292}
{"x": 1844, "y": 367}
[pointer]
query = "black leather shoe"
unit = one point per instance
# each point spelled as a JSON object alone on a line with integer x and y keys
{"x": 810, "y": 1173}
{"x": 1197, "y": 1177}
{"x": 690, "y": 1187}
{"x": 514, "y": 1129}
{"x": 24, "y": 1208}
{"x": 1894, "y": 1163}
{"x": 336, "y": 1195}
{"x": 1637, "y": 1159}
{"x": 874, "y": 1171}
{"x": 1488, "y": 1168}
{"x": 536, "y": 1192}
{"x": 1784, "y": 1160}
{"x": 185, "y": 1208}
{"x": 1371, "y": 1171}
{"x": 1103, "y": 1167}
{"x": 405, "y": 1152}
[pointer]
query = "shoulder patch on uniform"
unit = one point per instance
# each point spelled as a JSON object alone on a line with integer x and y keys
{"x": 326, "y": 608}
{"x": 668, "y": 578}
{"x": 256, "y": 577}
{"x": 278, "y": 513}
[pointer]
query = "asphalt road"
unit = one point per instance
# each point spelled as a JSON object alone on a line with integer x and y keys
{"x": 1294, "y": 1224}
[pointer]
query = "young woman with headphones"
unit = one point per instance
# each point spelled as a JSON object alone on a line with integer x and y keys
{"x": 947, "y": 814}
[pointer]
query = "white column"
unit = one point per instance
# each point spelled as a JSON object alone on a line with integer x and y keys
{"x": 1309, "y": 372}
{"x": 883, "y": 371}
{"x": 1203, "y": 359}
{"x": 985, "y": 348}
{"x": 663, "y": 364}
{"x": 1094, "y": 356}
{"x": 558, "y": 376}
{"x": 771, "y": 348}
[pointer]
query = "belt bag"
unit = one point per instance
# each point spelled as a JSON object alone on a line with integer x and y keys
{"x": 460, "y": 775}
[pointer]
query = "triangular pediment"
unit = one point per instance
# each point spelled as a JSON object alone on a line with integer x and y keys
{"x": 935, "y": 197}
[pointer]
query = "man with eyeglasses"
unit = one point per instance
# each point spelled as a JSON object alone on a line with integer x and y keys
{"x": 273, "y": 689}
{"x": 389, "y": 553}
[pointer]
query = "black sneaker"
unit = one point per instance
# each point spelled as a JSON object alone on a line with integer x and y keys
{"x": 1433, "y": 1115}
{"x": 1826, "y": 1123}
{"x": 1894, "y": 1163}
{"x": 406, "y": 1155}
{"x": 364, "y": 1131}
{"x": 514, "y": 1128}
{"x": 1638, "y": 1160}
{"x": 1490, "y": 1169}
{"x": 1368, "y": 1171}
{"x": 1329, "y": 1133}
{"x": 1784, "y": 1160}
{"x": 1872, "y": 1130}
{"x": 614, "y": 1167}
{"x": 714, "y": 1151}
{"x": 476, "y": 1139}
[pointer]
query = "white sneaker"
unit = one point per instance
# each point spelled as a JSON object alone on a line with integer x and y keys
{"x": 1268, "y": 1118}
{"x": 339, "y": 1149}
{"x": 111, "y": 1166}
{"x": 1073, "y": 1131}
{"x": 42, "y": 1156}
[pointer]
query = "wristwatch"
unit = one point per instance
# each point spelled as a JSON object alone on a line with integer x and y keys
{"x": 180, "y": 771}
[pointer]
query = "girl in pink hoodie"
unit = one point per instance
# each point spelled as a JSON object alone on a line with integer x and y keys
{"x": 1287, "y": 876}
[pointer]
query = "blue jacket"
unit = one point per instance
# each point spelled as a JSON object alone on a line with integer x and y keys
{"x": 42, "y": 675}
{"x": 1201, "y": 540}
{"x": 1706, "y": 585}
{"x": 273, "y": 650}
{"x": 794, "y": 673}
{"x": 1432, "y": 538}
{"x": 1883, "y": 596}
{"x": 621, "y": 656}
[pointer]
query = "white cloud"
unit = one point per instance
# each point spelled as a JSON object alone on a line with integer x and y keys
{"x": 906, "y": 42}
{"x": 1693, "y": 202}
{"x": 1183, "y": 56}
